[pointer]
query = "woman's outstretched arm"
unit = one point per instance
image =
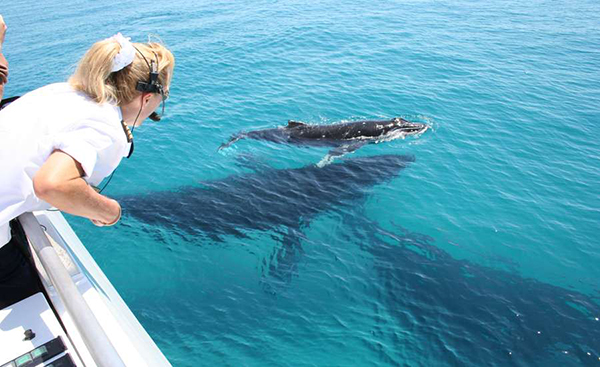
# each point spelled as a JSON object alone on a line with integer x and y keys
{"x": 60, "y": 183}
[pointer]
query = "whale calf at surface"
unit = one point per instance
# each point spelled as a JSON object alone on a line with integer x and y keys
{"x": 345, "y": 137}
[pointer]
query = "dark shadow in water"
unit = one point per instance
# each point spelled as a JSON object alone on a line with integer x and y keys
{"x": 471, "y": 315}
{"x": 279, "y": 200}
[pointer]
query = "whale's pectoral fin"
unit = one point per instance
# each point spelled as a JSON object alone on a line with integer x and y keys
{"x": 340, "y": 151}
{"x": 292, "y": 123}
{"x": 346, "y": 148}
{"x": 231, "y": 141}
{"x": 281, "y": 266}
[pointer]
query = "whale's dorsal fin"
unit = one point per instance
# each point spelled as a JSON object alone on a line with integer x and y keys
{"x": 292, "y": 123}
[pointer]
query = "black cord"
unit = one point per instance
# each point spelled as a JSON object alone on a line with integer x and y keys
{"x": 107, "y": 182}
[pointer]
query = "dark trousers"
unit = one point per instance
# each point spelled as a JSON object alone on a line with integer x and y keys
{"x": 18, "y": 277}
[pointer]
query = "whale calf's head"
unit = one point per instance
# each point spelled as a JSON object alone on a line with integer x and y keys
{"x": 407, "y": 128}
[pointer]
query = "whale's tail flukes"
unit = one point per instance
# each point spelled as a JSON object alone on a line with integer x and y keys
{"x": 233, "y": 139}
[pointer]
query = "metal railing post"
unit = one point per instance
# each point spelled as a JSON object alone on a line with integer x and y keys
{"x": 94, "y": 337}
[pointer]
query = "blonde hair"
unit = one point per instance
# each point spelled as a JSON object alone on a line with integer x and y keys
{"x": 93, "y": 75}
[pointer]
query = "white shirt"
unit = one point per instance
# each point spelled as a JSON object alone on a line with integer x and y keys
{"x": 46, "y": 119}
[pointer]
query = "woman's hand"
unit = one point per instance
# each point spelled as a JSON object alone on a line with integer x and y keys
{"x": 100, "y": 223}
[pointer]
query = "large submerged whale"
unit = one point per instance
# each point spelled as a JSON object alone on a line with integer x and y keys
{"x": 279, "y": 200}
{"x": 344, "y": 137}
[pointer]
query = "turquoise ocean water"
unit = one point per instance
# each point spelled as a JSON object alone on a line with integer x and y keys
{"x": 481, "y": 250}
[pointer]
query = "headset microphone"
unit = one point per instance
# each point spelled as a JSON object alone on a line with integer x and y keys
{"x": 154, "y": 116}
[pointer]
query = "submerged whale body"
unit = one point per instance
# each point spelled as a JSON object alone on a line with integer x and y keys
{"x": 346, "y": 137}
{"x": 271, "y": 198}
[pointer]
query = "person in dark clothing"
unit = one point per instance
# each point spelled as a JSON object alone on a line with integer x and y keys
{"x": 18, "y": 278}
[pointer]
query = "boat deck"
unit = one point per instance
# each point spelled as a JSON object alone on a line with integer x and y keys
{"x": 79, "y": 308}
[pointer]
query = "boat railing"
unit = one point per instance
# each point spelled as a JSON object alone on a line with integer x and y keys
{"x": 94, "y": 337}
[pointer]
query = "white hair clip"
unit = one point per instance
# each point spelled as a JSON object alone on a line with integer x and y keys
{"x": 125, "y": 56}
